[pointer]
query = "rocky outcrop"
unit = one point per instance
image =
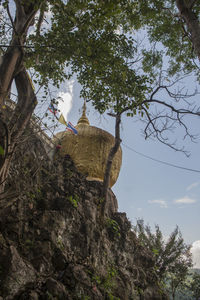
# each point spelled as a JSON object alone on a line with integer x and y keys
{"x": 55, "y": 244}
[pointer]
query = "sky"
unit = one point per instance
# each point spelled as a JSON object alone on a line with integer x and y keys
{"x": 158, "y": 193}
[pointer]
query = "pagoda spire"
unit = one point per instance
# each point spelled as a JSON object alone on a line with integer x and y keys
{"x": 83, "y": 119}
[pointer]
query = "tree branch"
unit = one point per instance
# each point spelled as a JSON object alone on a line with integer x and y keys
{"x": 41, "y": 18}
{"x": 166, "y": 126}
{"x": 192, "y": 22}
{"x": 11, "y": 20}
{"x": 113, "y": 151}
{"x": 180, "y": 111}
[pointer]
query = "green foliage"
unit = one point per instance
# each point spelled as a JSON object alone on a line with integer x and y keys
{"x": 81, "y": 296}
{"x": 28, "y": 244}
{"x": 86, "y": 298}
{"x": 114, "y": 226}
{"x": 68, "y": 173}
{"x": 99, "y": 39}
{"x": 98, "y": 42}
{"x": 177, "y": 275}
{"x": 184, "y": 291}
{"x": 50, "y": 296}
{"x": 165, "y": 27}
{"x": 1, "y": 150}
{"x": 101, "y": 200}
{"x": 73, "y": 200}
{"x": 97, "y": 49}
{"x": 152, "y": 62}
{"x": 194, "y": 286}
{"x": 108, "y": 282}
{"x": 31, "y": 195}
{"x": 60, "y": 243}
{"x": 172, "y": 258}
{"x": 86, "y": 31}
{"x": 34, "y": 194}
{"x": 155, "y": 252}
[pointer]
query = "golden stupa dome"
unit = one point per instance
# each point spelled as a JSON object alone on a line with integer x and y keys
{"x": 89, "y": 149}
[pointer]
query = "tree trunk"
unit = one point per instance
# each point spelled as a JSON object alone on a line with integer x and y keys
{"x": 11, "y": 68}
{"x": 12, "y": 59}
{"x": 111, "y": 155}
{"x": 192, "y": 23}
{"x": 21, "y": 116}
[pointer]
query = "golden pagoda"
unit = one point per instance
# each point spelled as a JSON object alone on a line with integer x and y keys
{"x": 89, "y": 149}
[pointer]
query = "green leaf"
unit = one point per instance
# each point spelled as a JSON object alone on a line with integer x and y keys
{"x": 89, "y": 51}
{"x": 1, "y": 150}
{"x": 155, "y": 251}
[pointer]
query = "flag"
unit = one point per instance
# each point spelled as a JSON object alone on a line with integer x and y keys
{"x": 52, "y": 109}
{"x": 70, "y": 127}
{"x": 62, "y": 120}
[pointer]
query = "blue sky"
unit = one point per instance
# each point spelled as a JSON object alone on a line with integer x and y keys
{"x": 159, "y": 193}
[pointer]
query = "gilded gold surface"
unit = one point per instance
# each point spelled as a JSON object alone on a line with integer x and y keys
{"x": 89, "y": 150}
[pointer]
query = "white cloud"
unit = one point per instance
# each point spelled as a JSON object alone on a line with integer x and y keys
{"x": 195, "y": 250}
{"x": 161, "y": 202}
{"x": 65, "y": 103}
{"x": 185, "y": 200}
{"x": 192, "y": 186}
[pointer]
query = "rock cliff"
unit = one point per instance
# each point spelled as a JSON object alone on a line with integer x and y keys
{"x": 55, "y": 244}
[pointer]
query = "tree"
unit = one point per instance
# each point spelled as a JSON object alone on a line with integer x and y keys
{"x": 12, "y": 66}
{"x": 178, "y": 273}
{"x": 172, "y": 259}
{"x": 176, "y": 25}
{"x": 189, "y": 13}
{"x": 161, "y": 109}
{"x": 85, "y": 29}
{"x": 194, "y": 286}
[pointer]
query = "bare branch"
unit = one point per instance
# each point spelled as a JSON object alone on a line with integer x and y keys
{"x": 180, "y": 111}
{"x": 10, "y": 17}
{"x": 158, "y": 132}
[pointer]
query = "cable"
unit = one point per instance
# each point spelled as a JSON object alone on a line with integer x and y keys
{"x": 160, "y": 161}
